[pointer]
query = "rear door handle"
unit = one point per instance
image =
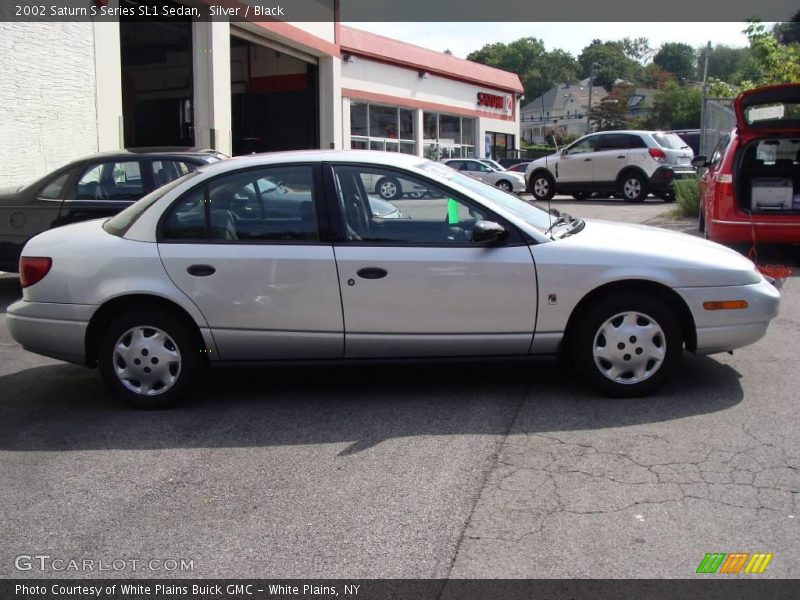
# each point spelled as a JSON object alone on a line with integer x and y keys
{"x": 372, "y": 273}
{"x": 622, "y": 156}
{"x": 200, "y": 270}
{"x": 586, "y": 159}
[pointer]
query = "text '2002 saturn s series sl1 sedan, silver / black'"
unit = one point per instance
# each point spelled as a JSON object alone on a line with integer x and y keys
{"x": 279, "y": 257}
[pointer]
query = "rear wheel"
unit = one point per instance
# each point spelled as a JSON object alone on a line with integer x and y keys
{"x": 668, "y": 196}
{"x": 504, "y": 185}
{"x": 389, "y": 188}
{"x": 542, "y": 186}
{"x": 701, "y": 223}
{"x": 627, "y": 346}
{"x": 633, "y": 187}
{"x": 149, "y": 359}
{"x": 580, "y": 195}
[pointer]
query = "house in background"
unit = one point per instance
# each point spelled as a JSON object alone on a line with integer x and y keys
{"x": 561, "y": 110}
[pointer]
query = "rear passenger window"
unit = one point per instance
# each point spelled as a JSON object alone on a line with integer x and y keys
{"x": 165, "y": 171}
{"x": 111, "y": 181}
{"x": 270, "y": 204}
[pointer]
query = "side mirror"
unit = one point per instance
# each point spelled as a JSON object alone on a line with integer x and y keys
{"x": 563, "y": 151}
{"x": 488, "y": 232}
{"x": 700, "y": 161}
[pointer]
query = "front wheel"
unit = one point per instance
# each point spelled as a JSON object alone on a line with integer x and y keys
{"x": 627, "y": 346}
{"x": 389, "y": 188}
{"x": 149, "y": 359}
{"x": 633, "y": 188}
{"x": 580, "y": 195}
{"x": 542, "y": 186}
{"x": 504, "y": 185}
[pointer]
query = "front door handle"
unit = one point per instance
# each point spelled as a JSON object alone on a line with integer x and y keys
{"x": 371, "y": 273}
{"x": 622, "y": 156}
{"x": 586, "y": 159}
{"x": 200, "y": 270}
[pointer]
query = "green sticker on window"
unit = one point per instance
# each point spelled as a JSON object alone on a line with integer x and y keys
{"x": 452, "y": 212}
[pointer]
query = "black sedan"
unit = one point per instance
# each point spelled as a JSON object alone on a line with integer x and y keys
{"x": 96, "y": 186}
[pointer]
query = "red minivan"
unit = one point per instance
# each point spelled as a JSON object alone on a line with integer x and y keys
{"x": 751, "y": 183}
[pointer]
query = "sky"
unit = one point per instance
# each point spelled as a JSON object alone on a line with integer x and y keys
{"x": 463, "y": 38}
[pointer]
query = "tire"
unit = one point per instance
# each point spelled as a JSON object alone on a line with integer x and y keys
{"x": 542, "y": 186}
{"x": 617, "y": 320}
{"x": 580, "y": 195}
{"x": 388, "y": 188}
{"x": 633, "y": 187}
{"x": 701, "y": 223}
{"x": 505, "y": 186}
{"x": 164, "y": 343}
{"x": 668, "y": 196}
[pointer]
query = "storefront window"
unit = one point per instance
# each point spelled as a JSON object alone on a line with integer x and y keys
{"x": 379, "y": 127}
{"x": 450, "y": 128}
{"x": 430, "y": 126}
{"x": 468, "y": 132}
{"x": 448, "y": 136}
{"x": 358, "y": 118}
{"x": 499, "y": 145}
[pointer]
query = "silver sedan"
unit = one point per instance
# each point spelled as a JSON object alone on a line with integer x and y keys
{"x": 282, "y": 257}
{"x": 508, "y": 181}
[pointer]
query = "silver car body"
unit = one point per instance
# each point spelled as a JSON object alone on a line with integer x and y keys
{"x": 294, "y": 301}
{"x": 480, "y": 170}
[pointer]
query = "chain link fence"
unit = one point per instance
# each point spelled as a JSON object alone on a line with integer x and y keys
{"x": 719, "y": 120}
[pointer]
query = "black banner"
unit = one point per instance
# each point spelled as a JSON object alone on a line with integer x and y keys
{"x": 396, "y": 10}
{"x": 704, "y": 587}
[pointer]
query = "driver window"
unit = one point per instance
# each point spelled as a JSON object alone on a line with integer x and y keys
{"x": 587, "y": 145}
{"x": 419, "y": 213}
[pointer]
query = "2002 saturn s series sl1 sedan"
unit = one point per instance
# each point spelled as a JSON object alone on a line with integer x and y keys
{"x": 279, "y": 257}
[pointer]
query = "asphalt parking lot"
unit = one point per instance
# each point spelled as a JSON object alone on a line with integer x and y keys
{"x": 442, "y": 470}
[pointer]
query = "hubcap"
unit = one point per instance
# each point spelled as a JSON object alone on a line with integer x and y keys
{"x": 147, "y": 361}
{"x": 388, "y": 189}
{"x": 632, "y": 188}
{"x": 541, "y": 186}
{"x": 504, "y": 186}
{"x": 629, "y": 347}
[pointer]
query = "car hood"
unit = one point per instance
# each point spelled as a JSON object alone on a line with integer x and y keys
{"x": 542, "y": 161}
{"x": 678, "y": 259}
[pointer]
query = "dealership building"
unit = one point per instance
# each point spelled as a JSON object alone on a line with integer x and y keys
{"x": 70, "y": 89}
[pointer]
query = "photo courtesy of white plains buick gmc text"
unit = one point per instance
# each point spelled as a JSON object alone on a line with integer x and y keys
{"x": 284, "y": 256}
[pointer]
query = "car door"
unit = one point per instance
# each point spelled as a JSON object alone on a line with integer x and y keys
{"x": 575, "y": 165}
{"x": 419, "y": 286}
{"x": 611, "y": 156}
{"x": 246, "y": 248}
{"x": 104, "y": 188}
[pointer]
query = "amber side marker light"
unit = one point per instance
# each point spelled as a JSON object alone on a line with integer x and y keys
{"x": 725, "y": 304}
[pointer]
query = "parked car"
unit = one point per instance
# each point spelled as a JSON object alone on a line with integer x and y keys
{"x": 751, "y": 182}
{"x": 179, "y": 280}
{"x": 518, "y": 167}
{"x": 492, "y": 163}
{"x": 629, "y": 163}
{"x": 472, "y": 167}
{"x": 690, "y": 136}
{"x": 100, "y": 185}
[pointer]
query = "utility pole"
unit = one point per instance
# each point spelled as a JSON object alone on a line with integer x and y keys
{"x": 591, "y": 86}
{"x": 703, "y": 100}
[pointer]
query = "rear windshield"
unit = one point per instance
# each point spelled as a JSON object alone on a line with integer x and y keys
{"x": 781, "y": 114}
{"x": 119, "y": 224}
{"x": 671, "y": 141}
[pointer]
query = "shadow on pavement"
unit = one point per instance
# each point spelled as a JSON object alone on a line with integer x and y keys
{"x": 66, "y": 407}
{"x": 10, "y": 291}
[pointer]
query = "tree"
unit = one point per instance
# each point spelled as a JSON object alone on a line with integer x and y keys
{"x": 538, "y": 69}
{"x": 789, "y": 31}
{"x": 677, "y": 58}
{"x": 779, "y": 63}
{"x": 612, "y": 111}
{"x": 637, "y": 49}
{"x": 608, "y": 61}
{"x": 731, "y": 65}
{"x": 676, "y": 107}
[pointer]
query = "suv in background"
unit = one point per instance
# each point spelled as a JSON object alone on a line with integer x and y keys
{"x": 628, "y": 163}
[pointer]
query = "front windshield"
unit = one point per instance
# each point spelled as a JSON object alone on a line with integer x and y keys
{"x": 536, "y": 217}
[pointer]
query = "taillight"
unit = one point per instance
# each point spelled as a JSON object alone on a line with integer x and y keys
{"x": 658, "y": 154}
{"x": 32, "y": 269}
{"x": 725, "y": 184}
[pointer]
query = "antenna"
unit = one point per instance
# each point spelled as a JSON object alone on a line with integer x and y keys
{"x": 546, "y": 156}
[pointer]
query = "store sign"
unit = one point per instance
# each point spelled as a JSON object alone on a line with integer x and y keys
{"x": 494, "y": 101}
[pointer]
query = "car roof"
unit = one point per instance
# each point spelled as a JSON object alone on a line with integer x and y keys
{"x": 150, "y": 152}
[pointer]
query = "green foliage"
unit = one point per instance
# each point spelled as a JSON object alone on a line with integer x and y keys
{"x": 611, "y": 63}
{"x": 687, "y": 198}
{"x": 788, "y": 32}
{"x": 676, "y": 107}
{"x": 538, "y": 69}
{"x": 678, "y": 59}
{"x": 637, "y": 49}
{"x": 779, "y": 63}
{"x": 731, "y": 65}
{"x": 612, "y": 111}
{"x": 719, "y": 89}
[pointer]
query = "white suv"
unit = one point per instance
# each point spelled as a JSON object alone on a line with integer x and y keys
{"x": 628, "y": 163}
